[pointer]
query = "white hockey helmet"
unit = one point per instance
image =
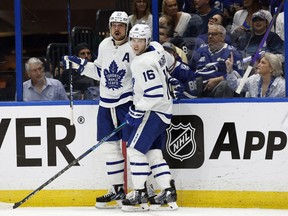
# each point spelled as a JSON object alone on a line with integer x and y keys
{"x": 141, "y": 31}
{"x": 119, "y": 16}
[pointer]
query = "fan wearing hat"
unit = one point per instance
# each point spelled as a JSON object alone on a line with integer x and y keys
{"x": 81, "y": 84}
{"x": 83, "y": 51}
{"x": 242, "y": 18}
{"x": 261, "y": 15}
{"x": 260, "y": 22}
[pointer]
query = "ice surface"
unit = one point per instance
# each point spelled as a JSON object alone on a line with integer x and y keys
{"x": 91, "y": 211}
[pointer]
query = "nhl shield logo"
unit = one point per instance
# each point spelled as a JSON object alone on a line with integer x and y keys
{"x": 181, "y": 143}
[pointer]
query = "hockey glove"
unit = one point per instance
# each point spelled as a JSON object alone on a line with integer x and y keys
{"x": 76, "y": 63}
{"x": 177, "y": 88}
{"x": 134, "y": 117}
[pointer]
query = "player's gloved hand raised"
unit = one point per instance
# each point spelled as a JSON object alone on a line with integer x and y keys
{"x": 177, "y": 88}
{"x": 76, "y": 63}
{"x": 134, "y": 117}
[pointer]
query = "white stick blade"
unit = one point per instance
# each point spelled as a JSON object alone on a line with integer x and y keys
{"x": 244, "y": 79}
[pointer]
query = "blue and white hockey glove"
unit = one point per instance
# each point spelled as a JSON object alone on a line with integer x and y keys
{"x": 134, "y": 117}
{"x": 177, "y": 88}
{"x": 76, "y": 63}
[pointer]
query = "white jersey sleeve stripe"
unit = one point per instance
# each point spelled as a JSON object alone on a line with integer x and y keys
{"x": 154, "y": 92}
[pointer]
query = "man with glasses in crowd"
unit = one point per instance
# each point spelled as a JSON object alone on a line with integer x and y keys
{"x": 210, "y": 69}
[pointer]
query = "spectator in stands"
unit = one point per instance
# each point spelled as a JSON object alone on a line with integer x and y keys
{"x": 141, "y": 13}
{"x": 165, "y": 34}
{"x": 180, "y": 19}
{"x": 166, "y": 20}
{"x": 210, "y": 64}
{"x": 230, "y": 8}
{"x": 266, "y": 82}
{"x": 82, "y": 50}
{"x": 205, "y": 9}
{"x": 216, "y": 19}
{"x": 84, "y": 85}
{"x": 194, "y": 27}
{"x": 242, "y": 19}
{"x": 260, "y": 23}
{"x": 39, "y": 87}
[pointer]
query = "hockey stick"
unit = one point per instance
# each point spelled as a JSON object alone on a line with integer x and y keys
{"x": 70, "y": 66}
{"x": 250, "y": 66}
{"x": 75, "y": 161}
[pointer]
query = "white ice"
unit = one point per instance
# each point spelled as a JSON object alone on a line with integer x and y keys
{"x": 91, "y": 211}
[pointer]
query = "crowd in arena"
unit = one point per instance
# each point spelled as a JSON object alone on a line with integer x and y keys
{"x": 203, "y": 36}
{"x": 205, "y": 39}
{"x": 209, "y": 32}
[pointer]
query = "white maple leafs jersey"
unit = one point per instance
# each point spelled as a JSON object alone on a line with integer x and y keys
{"x": 149, "y": 77}
{"x": 112, "y": 69}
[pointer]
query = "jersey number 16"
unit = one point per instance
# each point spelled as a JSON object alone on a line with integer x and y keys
{"x": 148, "y": 75}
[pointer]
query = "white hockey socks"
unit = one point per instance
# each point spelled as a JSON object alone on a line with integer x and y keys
{"x": 159, "y": 167}
{"x": 114, "y": 162}
{"x": 139, "y": 168}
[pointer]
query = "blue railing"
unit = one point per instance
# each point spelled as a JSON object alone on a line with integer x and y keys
{"x": 18, "y": 48}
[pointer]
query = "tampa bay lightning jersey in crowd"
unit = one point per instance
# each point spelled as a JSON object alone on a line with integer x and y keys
{"x": 212, "y": 64}
{"x": 113, "y": 71}
{"x": 186, "y": 76}
{"x": 149, "y": 77}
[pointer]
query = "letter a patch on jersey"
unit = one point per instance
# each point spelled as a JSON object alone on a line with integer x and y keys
{"x": 126, "y": 58}
{"x": 113, "y": 76}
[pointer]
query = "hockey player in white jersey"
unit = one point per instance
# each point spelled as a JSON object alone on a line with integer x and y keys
{"x": 149, "y": 115}
{"x": 112, "y": 68}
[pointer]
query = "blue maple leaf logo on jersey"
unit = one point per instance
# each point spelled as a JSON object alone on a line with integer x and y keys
{"x": 113, "y": 76}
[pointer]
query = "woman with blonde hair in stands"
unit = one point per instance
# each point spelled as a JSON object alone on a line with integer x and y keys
{"x": 266, "y": 82}
{"x": 180, "y": 19}
{"x": 141, "y": 13}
